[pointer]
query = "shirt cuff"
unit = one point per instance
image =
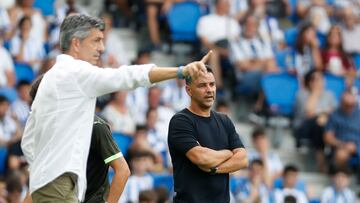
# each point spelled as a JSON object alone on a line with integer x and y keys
{"x": 113, "y": 157}
{"x": 145, "y": 70}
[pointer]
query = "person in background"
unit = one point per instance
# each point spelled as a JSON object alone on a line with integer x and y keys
{"x": 7, "y": 74}
{"x": 290, "y": 178}
{"x": 270, "y": 159}
{"x": 339, "y": 190}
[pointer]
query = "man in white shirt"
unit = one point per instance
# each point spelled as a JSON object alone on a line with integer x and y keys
{"x": 214, "y": 31}
{"x": 57, "y": 134}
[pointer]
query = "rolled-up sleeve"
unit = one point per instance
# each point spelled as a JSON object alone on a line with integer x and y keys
{"x": 95, "y": 81}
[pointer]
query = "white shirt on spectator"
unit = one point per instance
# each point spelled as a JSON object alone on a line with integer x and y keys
{"x": 114, "y": 47}
{"x": 7, "y": 128}
{"x": 246, "y": 49}
{"x": 329, "y": 195}
{"x": 175, "y": 96}
{"x": 20, "y": 109}
{"x": 269, "y": 30}
{"x": 280, "y": 195}
{"x": 351, "y": 40}
{"x": 58, "y": 131}
{"x": 6, "y": 65}
{"x": 275, "y": 165}
{"x": 137, "y": 102}
{"x": 33, "y": 49}
{"x": 119, "y": 122}
{"x": 214, "y": 27}
{"x": 4, "y": 19}
{"x": 134, "y": 186}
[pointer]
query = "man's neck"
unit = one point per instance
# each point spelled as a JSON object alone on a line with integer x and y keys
{"x": 195, "y": 109}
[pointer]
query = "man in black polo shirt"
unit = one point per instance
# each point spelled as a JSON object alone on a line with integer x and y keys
{"x": 204, "y": 147}
{"x": 103, "y": 153}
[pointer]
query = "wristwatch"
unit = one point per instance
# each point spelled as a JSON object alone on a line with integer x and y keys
{"x": 213, "y": 170}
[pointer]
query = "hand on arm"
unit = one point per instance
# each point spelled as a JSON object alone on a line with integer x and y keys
{"x": 208, "y": 158}
{"x": 237, "y": 161}
{"x": 122, "y": 172}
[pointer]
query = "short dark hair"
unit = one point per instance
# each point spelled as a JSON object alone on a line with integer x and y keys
{"x": 35, "y": 86}
{"x": 22, "y": 83}
{"x": 290, "y": 168}
{"x": 23, "y": 20}
{"x": 77, "y": 26}
{"x": 256, "y": 161}
{"x": 289, "y": 199}
{"x": 258, "y": 132}
{"x": 188, "y": 79}
{"x": 147, "y": 196}
{"x": 335, "y": 170}
{"x": 3, "y": 99}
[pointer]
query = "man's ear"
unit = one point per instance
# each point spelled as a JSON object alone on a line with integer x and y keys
{"x": 76, "y": 44}
{"x": 188, "y": 90}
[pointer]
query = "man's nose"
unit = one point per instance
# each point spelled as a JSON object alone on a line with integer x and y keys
{"x": 101, "y": 47}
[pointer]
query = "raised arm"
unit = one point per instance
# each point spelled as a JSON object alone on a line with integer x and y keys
{"x": 194, "y": 69}
{"x": 208, "y": 158}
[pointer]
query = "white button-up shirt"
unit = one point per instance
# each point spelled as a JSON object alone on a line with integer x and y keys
{"x": 58, "y": 131}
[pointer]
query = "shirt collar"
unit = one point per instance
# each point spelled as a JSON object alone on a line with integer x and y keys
{"x": 64, "y": 57}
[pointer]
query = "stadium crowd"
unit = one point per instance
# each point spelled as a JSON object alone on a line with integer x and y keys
{"x": 311, "y": 42}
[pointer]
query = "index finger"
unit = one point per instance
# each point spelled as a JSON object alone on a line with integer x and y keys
{"x": 206, "y": 57}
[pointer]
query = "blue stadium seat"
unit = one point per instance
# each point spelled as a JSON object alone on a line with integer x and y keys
{"x": 7, "y": 44}
{"x": 3, "y": 155}
{"x": 293, "y": 16}
{"x": 123, "y": 141}
{"x": 290, "y": 36}
{"x": 356, "y": 59}
{"x": 285, "y": 59}
{"x": 163, "y": 180}
{"x": 9, "y": 93}
{"x": 24, "y": 71}
{"x": 182, "y": 19}
{"x": 280, "y": 92}
{"x": 46, "y": 7}
{"x": 334, "y": 84}
{"x": 235, "y": 182}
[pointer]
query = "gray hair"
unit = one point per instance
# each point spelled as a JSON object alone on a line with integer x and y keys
{"x": 77, "y": 26}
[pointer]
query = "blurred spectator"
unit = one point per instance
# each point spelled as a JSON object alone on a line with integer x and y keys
{"x": 3, "y": 192}
{"x": 25, "y": 48}
{"x": 9, "y": 129}
{"x": 270, "y": 159}
{"x": 343, "y": 130}
{"x": 289, "y": 181}
{"x": 7, "y": 75}
{"x": 148, "y": 196}
{"x": 25, "y": 8}
{"x": 252, "y": 57}
{"x": 289, "y": 199}
{"x": 317, "y": 12}
{"x": 334, "y": 58}
{"x": 155, "y": 137}
{"x": 140, "y": 143}
{"x": 223, "y": 107}
{"x": 339, "y": 191}
{"x": 351, "y": 32}
{"x": 269, "y": 29}
{"x": 174, "y": 95}
{"x": 139, "y": 179}
{"x": 115, "y": 54}
{"x": 256, "y": 187}
{"x": 342, "y": 5}
{"x": 164, "y": 113}
{"x": 154, "y": 9}
{"x": 307, "y": 50}
{"x": 20, "y": 108}
{"x": 14, "y": 187}
{"x": 215, "y": 30}
{"x": 313, "y": 106}
{"x": 67, "y": 7}
{"x": 118, "y": 115}
{"x": 162, "y": 194}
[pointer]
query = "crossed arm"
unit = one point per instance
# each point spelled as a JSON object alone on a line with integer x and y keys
{"x": 225, "y": 160}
